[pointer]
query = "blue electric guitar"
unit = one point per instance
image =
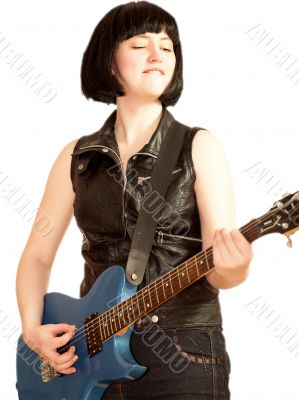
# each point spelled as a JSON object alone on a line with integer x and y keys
{"x": 112, "y": 305}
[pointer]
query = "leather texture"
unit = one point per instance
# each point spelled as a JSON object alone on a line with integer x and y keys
{"x": 106, "y": 209}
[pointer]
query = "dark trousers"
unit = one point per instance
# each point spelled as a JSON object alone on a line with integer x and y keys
{"x": 183, "y": 364}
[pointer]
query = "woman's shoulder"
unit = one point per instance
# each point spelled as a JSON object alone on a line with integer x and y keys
{"x": 70, "y": 146}
{"x": 65, "y": 154}
{"x": 205, "y": 141}
{"x": 208, "y": 152}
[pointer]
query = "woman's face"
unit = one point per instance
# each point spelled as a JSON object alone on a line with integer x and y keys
{"x": 140, "y": 53}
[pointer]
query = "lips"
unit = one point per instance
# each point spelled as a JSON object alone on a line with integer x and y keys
{"x": 152, "y": 70}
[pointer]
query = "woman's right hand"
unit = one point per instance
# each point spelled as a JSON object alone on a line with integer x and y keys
{"x": 44, "y": 341}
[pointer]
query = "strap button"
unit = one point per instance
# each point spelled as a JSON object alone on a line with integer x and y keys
{"x": 155, "y": 318}
{"x": 134, "y": 277}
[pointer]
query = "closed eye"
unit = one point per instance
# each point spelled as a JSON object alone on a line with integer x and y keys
{"x": 135, "y": 47}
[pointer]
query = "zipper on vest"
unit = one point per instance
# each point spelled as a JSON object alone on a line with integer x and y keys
{"x": 160, "y": 237}
{"x": 140, "y": 179}
{"x": 162, "y": 234}
{"x": 124, "y": 176}
{"x": 146, "y": 154}
{"x": 103, "y": 147}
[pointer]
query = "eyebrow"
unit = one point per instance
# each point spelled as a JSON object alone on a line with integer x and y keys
{"x": 148, "y": 37}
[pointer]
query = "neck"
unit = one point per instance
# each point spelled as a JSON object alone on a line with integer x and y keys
{"x": 136, "y": 122}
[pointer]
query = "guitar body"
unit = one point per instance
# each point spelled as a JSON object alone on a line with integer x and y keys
{"x": 114, "y": 362}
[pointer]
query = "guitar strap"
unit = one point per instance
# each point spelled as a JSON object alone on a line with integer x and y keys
{"x": 147, "y": 221}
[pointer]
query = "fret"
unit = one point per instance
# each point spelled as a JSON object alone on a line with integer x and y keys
{"x": 132, "y": 307}
{"x": 112, "y": 320}
{"x": 116, "y": 317}
{"x": 170, "y": 283}
{"x": 201, "y": 263}
{"x": 148, "y": 293}
{"x": 163, "y": 286}
{"x": 122, "y": 312}
{"x": 106, "y": 325}
{"x": 196, "y": 265}
{"x": 155, "y": 283}
{"x": 127, "y": 309}
{"x": 187, "y": 269}
{"x": 207, "y": 261}
{"x": 178, "y": 275}
{"x": 100, "y": 326}
{"x": 99, "y": 330}
{"x": 137, "y": 301}
{"x": 143, "y": 292}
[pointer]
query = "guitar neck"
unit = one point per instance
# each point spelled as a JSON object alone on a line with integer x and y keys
{"x": 162, "y": 289}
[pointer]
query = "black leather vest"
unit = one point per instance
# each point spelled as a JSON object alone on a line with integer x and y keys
{"x": 106, "y": 212}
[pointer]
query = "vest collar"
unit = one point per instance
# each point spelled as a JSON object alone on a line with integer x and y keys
{"x": 106, "y": 137}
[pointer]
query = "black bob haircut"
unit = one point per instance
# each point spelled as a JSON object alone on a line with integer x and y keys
{"x": 119, "y": 24}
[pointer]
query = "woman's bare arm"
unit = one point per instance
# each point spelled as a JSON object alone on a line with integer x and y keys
{"x": 216, "y": 203}
{"x": 37, "y": 258}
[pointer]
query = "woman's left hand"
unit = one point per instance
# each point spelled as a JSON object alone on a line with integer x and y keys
{"x": 232, "y": 254}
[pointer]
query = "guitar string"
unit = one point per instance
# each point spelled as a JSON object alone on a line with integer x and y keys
{"x": 105, "y": 318}
{"x": 173, "y": 280}
{"x": 208, "y": 252}
{"x": 107, "y": 314}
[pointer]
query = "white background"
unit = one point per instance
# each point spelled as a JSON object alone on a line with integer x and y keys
{"x": 231, "y": 87}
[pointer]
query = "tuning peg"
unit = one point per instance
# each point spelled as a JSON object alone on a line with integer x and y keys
{"x": 289, "y": 242}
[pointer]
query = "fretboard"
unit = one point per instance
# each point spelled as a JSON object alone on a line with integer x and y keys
{"x": 160, "y": 290}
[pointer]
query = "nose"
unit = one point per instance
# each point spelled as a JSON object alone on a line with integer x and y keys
{"x": 156, "y": 54}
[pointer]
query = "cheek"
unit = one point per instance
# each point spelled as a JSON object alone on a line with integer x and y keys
{"x": 128, "y": 66}
{"x": 172, "y": 63}
{"x": 171, "y": 69}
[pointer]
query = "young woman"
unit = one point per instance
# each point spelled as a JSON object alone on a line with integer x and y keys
{"x": 134, "y": 60}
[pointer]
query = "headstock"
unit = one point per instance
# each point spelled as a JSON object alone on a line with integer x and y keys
{"x": 283, "y": 217}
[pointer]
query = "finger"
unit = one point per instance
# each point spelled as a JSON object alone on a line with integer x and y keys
{"x": 58, "y": 362}
{"x": 49, "y": 357}
{"x": 62, "y": 366}
{"x": 240, "y": 253}
{"x": 216, "y": 254}
{"x": 218, "y": 259}
{"x": 61, "y": 328}
{"x": 68, "y": 371}
{"x": 240, "y": 241}
{"x": 65, "y": 357}
{"x": 63, "y": 339}
{"x": 221, "y": 252}
{"x": 230, "y": 245}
